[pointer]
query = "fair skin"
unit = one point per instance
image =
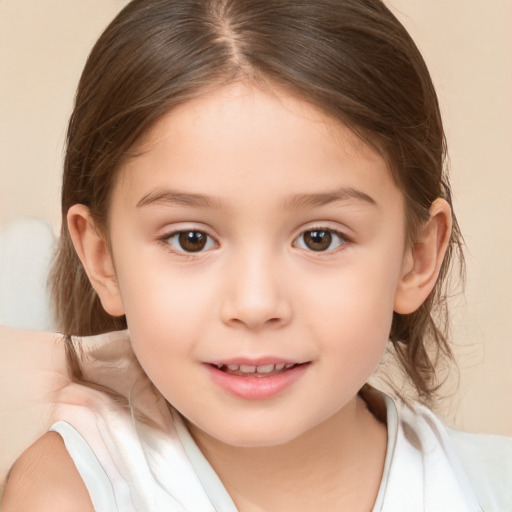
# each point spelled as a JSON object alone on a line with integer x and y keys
{"x": 296, "y": 255}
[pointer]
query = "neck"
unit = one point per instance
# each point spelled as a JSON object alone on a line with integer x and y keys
{"x": 335, "y": 466}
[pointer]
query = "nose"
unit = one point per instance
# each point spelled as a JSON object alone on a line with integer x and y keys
{"x": 256, "y": 295}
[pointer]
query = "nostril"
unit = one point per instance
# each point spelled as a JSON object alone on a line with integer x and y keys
{"x": 252, "y": 312}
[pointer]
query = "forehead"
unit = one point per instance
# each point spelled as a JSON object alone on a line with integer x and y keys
{"x": 248, "y": 109}
{"x": 240, "y": 141}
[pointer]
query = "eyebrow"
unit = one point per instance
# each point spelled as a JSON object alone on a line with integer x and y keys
{"x": 325, "y": 198}
{"x": 314, "y": 200}
{"x": 175, "y": 198}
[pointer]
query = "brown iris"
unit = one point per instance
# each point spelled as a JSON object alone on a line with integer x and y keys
{"x": 192, "y": 241}
{"x": 317, "y": 240}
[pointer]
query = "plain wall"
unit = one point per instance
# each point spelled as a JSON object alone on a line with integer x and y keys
{"x": 467, "y": 45}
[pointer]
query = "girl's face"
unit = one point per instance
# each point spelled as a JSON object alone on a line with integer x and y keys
{"x": 258, "y": 248}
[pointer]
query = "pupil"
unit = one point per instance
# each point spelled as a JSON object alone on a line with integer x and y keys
{"x": 192, "y": 241}
{"x": 318, "y": 240}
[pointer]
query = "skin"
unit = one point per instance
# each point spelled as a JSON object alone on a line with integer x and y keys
{"x": 44, "y": 479}
{"x": 272, "y": 169}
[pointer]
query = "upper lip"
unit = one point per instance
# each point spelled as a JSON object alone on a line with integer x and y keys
{"x": 259, "y": 361}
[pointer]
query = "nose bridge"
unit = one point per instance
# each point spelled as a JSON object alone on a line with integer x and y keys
{"x": 256, "y": 295}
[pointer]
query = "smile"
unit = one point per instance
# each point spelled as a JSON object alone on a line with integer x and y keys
{"x": 256, "y": 381}
{"x": 244, "y": 370}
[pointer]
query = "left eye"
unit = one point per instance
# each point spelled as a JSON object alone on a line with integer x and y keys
{"x": 320, "y": 240}
{"x": 190, "y": 241}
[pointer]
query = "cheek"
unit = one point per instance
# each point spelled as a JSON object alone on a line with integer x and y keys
{"x": 354, "y": 311}
{"x": 168, "y": 314}
{"x": 158, "y": 295}
{"x": 357, "y": 299}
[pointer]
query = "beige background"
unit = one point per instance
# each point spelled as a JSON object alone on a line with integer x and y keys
{"x": 467, "y": 45}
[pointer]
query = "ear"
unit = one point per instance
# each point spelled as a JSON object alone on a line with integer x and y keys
{"x": 422, "y": 261}
{"x": 94, "y": 253}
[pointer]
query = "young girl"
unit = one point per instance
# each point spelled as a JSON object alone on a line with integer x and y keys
{"x": 254, "y": 207}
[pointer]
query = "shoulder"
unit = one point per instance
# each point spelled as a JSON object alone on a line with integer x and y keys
{"x": 487, "y": 461}
{"x": 480, "y": 462}
{"x": 45, "y": 478}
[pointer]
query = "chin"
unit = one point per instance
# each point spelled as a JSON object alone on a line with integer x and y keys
{"x": 255, "y": 435}
{"x": 257, "y": 441}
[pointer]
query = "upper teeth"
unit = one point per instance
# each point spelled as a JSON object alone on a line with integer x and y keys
{"x": 248, "y": 368}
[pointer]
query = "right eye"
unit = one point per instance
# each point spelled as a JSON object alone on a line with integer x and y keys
{"x": 190, "y": 241}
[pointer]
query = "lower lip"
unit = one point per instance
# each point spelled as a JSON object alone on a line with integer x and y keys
{"x": 256, "y": 388}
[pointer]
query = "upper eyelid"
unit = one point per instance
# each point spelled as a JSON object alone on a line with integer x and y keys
{"x": 323, "y": 227}
{"x": 169, "y": 234}
{"x": 192, "y": 225}
{"x": 319, "y": 226}
{"x": 337, "y": 232}
{"x": 170, "y": 231}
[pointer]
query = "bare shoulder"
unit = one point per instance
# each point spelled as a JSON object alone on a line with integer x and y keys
{"x": 45, "y": 478}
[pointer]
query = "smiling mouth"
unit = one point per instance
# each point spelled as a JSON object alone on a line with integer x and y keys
{"x": 256, "y": 380}
{"x": 246, "y": 370}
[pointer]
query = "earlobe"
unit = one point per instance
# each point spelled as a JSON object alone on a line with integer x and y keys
{"x": 94, "y": 253}
{"x": 423, "y": 260}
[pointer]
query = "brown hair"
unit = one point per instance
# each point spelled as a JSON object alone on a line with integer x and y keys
{"x": 350, "y": 58}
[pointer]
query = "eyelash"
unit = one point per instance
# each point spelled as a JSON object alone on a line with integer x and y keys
{"x": 166, "y": 240}
{"x": 343, "y": 239}
{"x": 210, "y": 242}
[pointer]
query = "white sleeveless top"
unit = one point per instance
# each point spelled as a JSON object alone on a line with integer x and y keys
{"x": 131, "y": 463}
